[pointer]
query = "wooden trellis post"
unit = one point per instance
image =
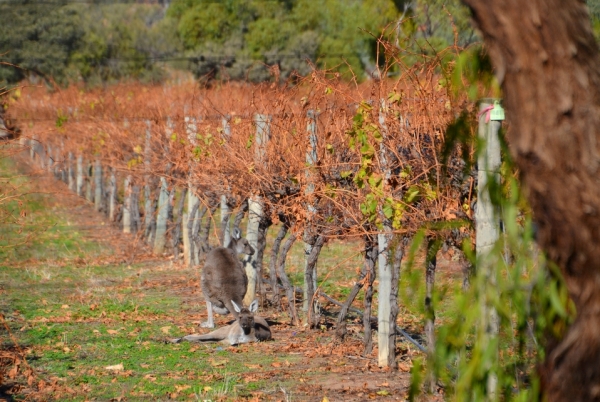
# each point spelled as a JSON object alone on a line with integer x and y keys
{"x": 225, "y": 211}
{"x": 160, "y": 238}
{"x": 148, "y": 201}
{"x": 127, "y": 216}
{"x": 79, "y": 180}
{"x": 255, "y": 206}
{"x": 70, "y": 173}
{"x": 310, "y": 238}
{"x": 189, "y": 253}
{"x": 112, "y": 197}
{"x": 88, "y": 183}
{"x": 97, "y": 185}
{"x": 386, "y": 320}
{"x": 487, "y": 219}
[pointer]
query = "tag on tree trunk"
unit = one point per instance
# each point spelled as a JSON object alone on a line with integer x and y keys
{"x": 497, "y": 113}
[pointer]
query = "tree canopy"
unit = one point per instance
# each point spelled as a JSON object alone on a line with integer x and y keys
{"x": 103, "y": 41}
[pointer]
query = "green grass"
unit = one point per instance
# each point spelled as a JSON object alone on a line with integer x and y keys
{"x": 31, "y": 227}
{"x": 78, "y": 322}
{"x": 75, "y": 318}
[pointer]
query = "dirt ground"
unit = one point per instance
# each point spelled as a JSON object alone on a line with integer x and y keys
{"x": 324, "y": 367}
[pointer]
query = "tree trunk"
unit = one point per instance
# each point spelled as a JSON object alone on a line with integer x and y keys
{"x": 547, "y": 60}
{"x": 345, "y": 307}
{"x": 177, "y": 226}
{"x": 203, "y": 242}
{"x": 263, "y": 227}
{"x": 310, "y": 282}
{"x": 289, "y": 289}
{"x": 190, "y": 233}
{"x": 398, "y": 248}
{"x": 273, "y": 263}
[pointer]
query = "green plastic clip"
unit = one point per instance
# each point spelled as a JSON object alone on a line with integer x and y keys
{"x": 497, "y": 113}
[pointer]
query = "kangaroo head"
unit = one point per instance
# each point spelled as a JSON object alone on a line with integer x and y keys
{"x": 246, "y": 316}
{"x": 239, "y": 244}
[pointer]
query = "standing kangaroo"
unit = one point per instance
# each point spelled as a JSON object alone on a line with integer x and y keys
{"x": 246, "y": 328}
{"x": 224, "y": 280}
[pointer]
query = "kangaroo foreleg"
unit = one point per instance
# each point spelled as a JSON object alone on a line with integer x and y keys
{"x": 210, "y": 323}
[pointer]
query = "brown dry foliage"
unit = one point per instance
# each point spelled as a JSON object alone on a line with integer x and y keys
{"x": 188, "y": 140}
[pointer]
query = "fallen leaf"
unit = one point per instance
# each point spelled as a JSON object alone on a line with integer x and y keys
{"x": 116, "y": 367}
{"x": 404, "y": 367}
{"x": 383, "y": 392}
{"x": 276, "y": 364}
{"x": 216, "y": 363}
{"x": 180, "y": 388}
{"x": 253, "y": 366}
{"x": 166, "y": 329}
{"x": 112, "y": 331}
{"x": 64, "y": 306}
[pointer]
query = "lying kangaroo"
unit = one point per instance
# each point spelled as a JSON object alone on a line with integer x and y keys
{"x": 224, "y": 279}
{"x": 246, "y": 328}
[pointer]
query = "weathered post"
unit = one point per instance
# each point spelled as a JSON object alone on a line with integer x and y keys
{"x": 32, "y": 143}
{"x": 97, "y": 185}
{"x": 161, "y": 220}
{"x": 255, "y": 206}
{"x": 79, "y": 180}
{"x": 162, "y": 217}
{"x": 309, "y": 237}
{"x": 386, "y": 320}
{"x": 70, "y": 173}
{"x": 487, "y": 221}
{"x": 50, "y": 161}
{"x": 127, "y": 221}
{"x": 148, "y": 205}
{"x": 88, "y": 182}
{"x": 112, "y": 196}
{"x": 225, "y": 210}
{"x": 189, "y": 254}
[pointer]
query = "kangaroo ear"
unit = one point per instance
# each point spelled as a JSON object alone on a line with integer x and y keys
{"x": 253, "y": 306}
{"x": 236, "y": 307}
{"x": 237, "y": 234}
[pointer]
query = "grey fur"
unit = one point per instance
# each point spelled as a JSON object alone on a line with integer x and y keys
{"x": 246, "y": 328}
{"x": 224, "y": 279}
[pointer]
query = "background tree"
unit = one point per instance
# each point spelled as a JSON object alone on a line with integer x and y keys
{"x": 546, "y": 59}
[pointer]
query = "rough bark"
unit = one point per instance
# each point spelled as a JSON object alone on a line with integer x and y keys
{"x": 547, "y": 61}
{"x": 273, "y": 263}
{"x": 399, "y": 248}
{"x": 263, "y": 227}
{"x": 175, "y": 239}
{"x": 203, "y": 242}
{"x": 287, "y": 285}
{"x": 345, "y": 307}
{"x": 310, "y": 281}
{"x": 371, "y": 251}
